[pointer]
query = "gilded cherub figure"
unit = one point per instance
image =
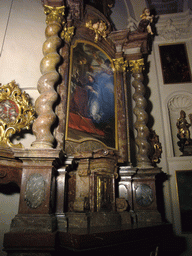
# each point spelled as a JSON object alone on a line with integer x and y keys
{"x": 145, "y": 23}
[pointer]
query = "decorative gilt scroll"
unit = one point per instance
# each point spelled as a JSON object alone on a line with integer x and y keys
{"x": 136, "y": 67}
{"x": 50, "y": 76}
{"x": 16, "y": 113}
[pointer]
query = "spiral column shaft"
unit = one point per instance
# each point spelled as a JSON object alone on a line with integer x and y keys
{"x": 50, "y": 76}
{"x": 142, "y": 116}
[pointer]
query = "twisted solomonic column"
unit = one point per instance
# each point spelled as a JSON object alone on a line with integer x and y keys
{"x": 50, "y": 76}
{"x": 143, "y": 161}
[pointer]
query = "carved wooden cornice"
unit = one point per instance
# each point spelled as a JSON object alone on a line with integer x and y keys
{"x": 53, "y": 3}
{"x": 133, "y": 44}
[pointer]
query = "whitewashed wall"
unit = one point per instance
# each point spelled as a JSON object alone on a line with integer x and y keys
{"x": 173, "y": 98}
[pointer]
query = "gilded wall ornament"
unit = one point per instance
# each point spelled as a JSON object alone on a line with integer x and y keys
{"x": 54, "y": 14}
{"x": 100, "y": 29}
{"x": 136, "y": 66}
{"x": 16, "y": 113}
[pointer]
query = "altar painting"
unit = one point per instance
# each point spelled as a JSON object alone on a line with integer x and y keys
{"x": 175, "y": 64}
{"x": 91, "y": 108}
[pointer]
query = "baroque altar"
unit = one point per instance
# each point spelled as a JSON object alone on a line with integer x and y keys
{"x": 77, "y": 181}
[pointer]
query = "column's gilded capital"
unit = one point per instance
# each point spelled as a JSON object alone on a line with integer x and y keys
{"x": 54, "y": 14}
{"x": 136, "y": 66}
{"x": 120, "y": 64}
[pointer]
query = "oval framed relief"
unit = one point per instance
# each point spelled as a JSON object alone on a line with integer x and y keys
{"x": 35, "y": 190}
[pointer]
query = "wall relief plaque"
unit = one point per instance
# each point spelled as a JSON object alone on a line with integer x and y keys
{"x": 35, "y": 190}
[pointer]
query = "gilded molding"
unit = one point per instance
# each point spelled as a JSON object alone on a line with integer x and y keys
{"x": 16, "y": 113}
{"x": 54, "y": 14}
{"x": 120, "y": 64}
{"x": 136, "y": 66}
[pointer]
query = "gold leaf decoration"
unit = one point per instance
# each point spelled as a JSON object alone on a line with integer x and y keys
{"x": 54, "y": 14}
{"x": 136, "y": 66}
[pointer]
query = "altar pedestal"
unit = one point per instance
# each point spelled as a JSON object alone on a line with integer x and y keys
{"x": 134, "y": 240}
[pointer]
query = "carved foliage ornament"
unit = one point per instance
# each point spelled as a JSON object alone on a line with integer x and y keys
{"x": 120, "y": 64}
{"x": 67, "y": 34}
{"x": 136, "y": 66}
{"x": 16, "y": 112}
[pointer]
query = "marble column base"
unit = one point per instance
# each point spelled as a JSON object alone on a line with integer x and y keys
{"x": 95, "y": 219}
{"x": 62, "y": 223}
{"x": 148, "y": 216}
{"x": 33, "y": 223}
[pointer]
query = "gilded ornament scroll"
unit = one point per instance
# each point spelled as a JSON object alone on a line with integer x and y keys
{"x": 16, "y": 113}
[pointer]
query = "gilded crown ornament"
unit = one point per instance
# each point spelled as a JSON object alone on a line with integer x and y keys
{"x": 16, "y": 113}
